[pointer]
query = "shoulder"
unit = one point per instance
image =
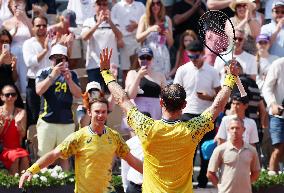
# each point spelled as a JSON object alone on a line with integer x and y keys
{"x": 29, "y": 41}
{"x": 88, "y": 22}
{"x": 43, "y": 72}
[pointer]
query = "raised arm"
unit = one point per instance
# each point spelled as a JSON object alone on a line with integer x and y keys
{"x": 114, "y": 88}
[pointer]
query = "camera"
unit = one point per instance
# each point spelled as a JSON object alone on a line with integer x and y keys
{"x": 58, "y": 60}
{"x": 6, "y": 47}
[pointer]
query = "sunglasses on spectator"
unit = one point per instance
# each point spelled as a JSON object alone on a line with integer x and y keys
{"x": 43, "y": 25}
{"x": 145, "y": 57}
{"x": 278, "y": 11}
{"x": 156, "y": 3}
{"x": 12, "y": 94}
{"x": 262, "y": 42}
{"x": 102, "y": 4}
{"x": 239, "y": 39}
{"x": 243, "y": 5}
{"x": 4, "y": 41}
{"x": 194, "y": 56}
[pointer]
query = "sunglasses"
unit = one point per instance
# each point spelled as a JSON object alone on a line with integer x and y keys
{"x": 5, "y": 41}
{"x": 241, "y": 5}
{"x": 145, "y": 57}
{"x": 43, "y": 25}
{"x": 12, "y": 94}
{"x": 278, "y": 11}
{"x": 156, "y": 3}
{"x": 194, "y": 56}
{"x": 102, "y": 4}
{"x": 239, "y": 39}
{"x": 262, "y": 42}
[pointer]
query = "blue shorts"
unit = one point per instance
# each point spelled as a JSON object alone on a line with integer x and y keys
{"x": 276, "y": 130}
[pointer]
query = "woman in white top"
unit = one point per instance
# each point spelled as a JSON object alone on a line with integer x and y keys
{"x": 20, "y": 27}
{"x": 155, "y": 31}
{"x": 263, "y": 58}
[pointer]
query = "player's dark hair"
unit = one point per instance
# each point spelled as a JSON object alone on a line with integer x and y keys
{"x": 173, "y": 97}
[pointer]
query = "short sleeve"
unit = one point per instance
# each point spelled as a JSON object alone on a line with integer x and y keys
{"x": 222, "y": 133}
{"x": 70, "y": 145}
{"x": 122, "y": 148}
{"x": 140, "y": 123}
{"x": 215, "y": 160}
{"x": 200, "y": 125}
{"x": 254, "y": 134}
{"x": 41, "y": 75}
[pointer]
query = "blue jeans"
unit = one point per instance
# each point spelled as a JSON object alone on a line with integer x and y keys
{"x": 276, "y": 130}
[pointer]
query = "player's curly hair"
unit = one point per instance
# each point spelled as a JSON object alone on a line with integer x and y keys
{"x": 87, "y": 102}
{"x": 173, "y": 97}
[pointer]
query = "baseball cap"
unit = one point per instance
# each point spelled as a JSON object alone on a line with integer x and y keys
{"x": 195, "y": 46}
{"x": 237, "y": 97}
{"x": 70, "y": 16}
{"x": 262, "y": 37}
{"x": 277, "y": 3}
{"x": 145, "y": 51}
{"x": 93, "y": 85}
{"x": 58, "y": 49}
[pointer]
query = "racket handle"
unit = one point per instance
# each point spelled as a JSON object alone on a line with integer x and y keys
{"x": 241, "y": 87}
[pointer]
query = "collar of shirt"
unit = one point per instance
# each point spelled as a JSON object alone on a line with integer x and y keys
{"x": 170, "y": 121}
{"x": 94, "y": 132}
{"x": 232, "y": 147}
{"x": 124, "y": 3}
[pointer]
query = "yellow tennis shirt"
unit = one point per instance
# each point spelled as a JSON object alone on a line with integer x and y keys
{"x": 93, "y": 157}
{"x": 168, "y": 150}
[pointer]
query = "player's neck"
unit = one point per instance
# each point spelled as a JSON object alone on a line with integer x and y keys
{"x": 171, "y": 116}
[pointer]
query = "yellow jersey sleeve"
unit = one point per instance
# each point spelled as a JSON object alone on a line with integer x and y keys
{"x": 122, "y": 148}
{"x": 70, "y": 145}
{"x": 140, "y": 123}
{"x": 200, "y": 125}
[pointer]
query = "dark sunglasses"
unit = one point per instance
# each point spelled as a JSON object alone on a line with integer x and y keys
{"x": 239, "y": 39}
{"x": 278, "y": 11}
{"x": 194, "y": 56}
{"x": 5, "y": 41}
{"x": 145, "y": 57}
{"x": 102, "y": 4}
{"x": 241, "y": 5}
{"x": 156, "y": 3}
{"x": 43, "y": 25}
{"x": 12, "y": 94}
{"x": 262, "y": 42}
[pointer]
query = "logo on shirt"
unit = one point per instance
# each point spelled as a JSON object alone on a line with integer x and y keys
{"x": 89, "y": 140}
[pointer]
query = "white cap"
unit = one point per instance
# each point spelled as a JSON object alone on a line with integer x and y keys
{"x": 58, "y": 49}
{"x": 94, "y": 85}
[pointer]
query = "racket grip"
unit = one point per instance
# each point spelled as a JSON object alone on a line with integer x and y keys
{"x": 241, "y": 87}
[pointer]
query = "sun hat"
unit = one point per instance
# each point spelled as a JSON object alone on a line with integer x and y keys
{"x": 58, "y": 49}
{"x": 234, "y": 3}
{"x": 93, "y": 85}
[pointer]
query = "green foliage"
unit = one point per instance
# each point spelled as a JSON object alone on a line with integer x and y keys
{"x": 265, "y": 180}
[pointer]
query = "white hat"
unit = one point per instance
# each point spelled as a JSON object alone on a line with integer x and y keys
{"x": 277, "y": 3}
{"x": 94, "y": 85}
{"x": 234, "y": 3}
{"x": 58, "y": 49}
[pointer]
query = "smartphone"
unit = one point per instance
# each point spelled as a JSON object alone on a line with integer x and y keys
{"x": 57, "y": 61}
{"x": 6, "y": 47}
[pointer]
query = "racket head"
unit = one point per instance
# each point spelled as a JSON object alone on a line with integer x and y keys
{"x": 216, "y": 32}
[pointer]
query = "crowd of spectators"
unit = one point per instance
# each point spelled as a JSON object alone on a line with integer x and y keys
{"x": 153, "y": 43}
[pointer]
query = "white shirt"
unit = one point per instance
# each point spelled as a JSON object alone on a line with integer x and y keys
{"x": 273, "y": 88}
{"x": 127, "y": 172}
{"x": 196, "y": 80}
{"x": 103, "y": 37}
{"x": 5, "y": 12}
{"x": 31, "y": 48}
{"x": 83, "y": 9}
{"x": 247, "y": 61}
{"x": 268, "y": 9}
{"x": 122, "y": 13}
{"x": 250, "y": 135}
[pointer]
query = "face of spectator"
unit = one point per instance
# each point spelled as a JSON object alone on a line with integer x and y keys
{"x": 98, "y": 114}
{"x": 197, "y": 58}
{"x": 236, "y": 130}
{"x": 278, "y": 13}
{"x": 238, "y": 107}
{"x": 187, "y": 39}
{"x": 240, "y": 38}
{"x": 262, "y": 45}
{"x": 57, "y": 58}
{"x": 17, "y": 6}
{"x": 9, "y": 95}
{"x": 145, "y": 60}
{"x": 4, "y": 39}
{"x": 101, "y": 5}
{"x": 241, "y": 10}
{"x": 40, "y": 27}
{"x": 156, "y": 6}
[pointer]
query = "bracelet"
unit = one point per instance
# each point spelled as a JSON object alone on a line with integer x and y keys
{"x": 230, "y": 81}
{"x": 107, "y": 75}
{"x": 34, "y": 168}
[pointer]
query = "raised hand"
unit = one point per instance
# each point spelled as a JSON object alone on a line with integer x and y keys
{"x": 105, "y": 57}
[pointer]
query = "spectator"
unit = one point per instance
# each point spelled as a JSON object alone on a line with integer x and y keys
{"x": 12, "y": 131}
{"x": 83, "y": 10}
{"x": 238, "y": 108}
{"x": 245, "y": 21}
{"x": 8, "y": 65}
{"x": 201, "y": 83}
{"x": 273, "y": 92}
{"x": 131, "y": 179}
{"x": 237, "y": 159}
{"x": 56, "y": 86}
{"x": 100, "y": 32}
{"x": 20, "y": 27}
{"x": 257, "y": 14}
{"x": 246, "y": 60}
{"x": 155, "y": 31}
{"x": 36, "y": 51}
{"x": 222, "y": 5}
{"x": 39, "y": 9}
{"x": 181, "y": 56}
{"x": 126, "y": 15}
{"x": 263, "y": 58}
{"x": 274, "y": 29}
{"x": 168, "y": 144}
{"x": 267, "y": 10}
{"x": 5, "y": 12}
{"x": 94, "y": 147}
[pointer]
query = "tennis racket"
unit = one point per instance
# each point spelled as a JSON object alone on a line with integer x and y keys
{"x": 217, "y": 33}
